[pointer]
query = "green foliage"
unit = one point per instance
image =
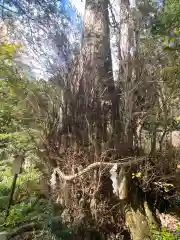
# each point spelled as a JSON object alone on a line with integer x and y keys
{"x": 16, "y": 214}
{"x": 33, "y": 209}
{"x": 167, "y": 24}
{"x": 168, "y": 18}
{"x": 16, "y": 130}
{"x": 164, "y": 235}
{"x": 30, "y": 206}
{"x": 7, "y": 52}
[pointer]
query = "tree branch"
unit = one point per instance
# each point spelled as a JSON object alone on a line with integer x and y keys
{"x": 98, "y": 164}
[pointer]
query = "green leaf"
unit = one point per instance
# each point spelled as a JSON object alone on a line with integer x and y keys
{"x": 138, "y": 174}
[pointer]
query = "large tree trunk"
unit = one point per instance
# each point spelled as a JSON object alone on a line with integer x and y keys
{"x": 96, "y": 47}
{"x": 128, "y": 73}
{"x": 96, "y": 68}
{"x": 138, "y": 216}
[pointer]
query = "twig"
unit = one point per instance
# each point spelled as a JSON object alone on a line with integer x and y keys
{"x": 95, "y": 165}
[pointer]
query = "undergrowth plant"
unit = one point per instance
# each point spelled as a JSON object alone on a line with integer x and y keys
{"x": 164, "y": 234}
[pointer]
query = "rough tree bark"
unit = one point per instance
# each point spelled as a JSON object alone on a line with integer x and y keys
{"x": 96, "y": 47}
{"x": 128, "y": 72}
{"x": 97, "y": 82}
{"x": 96, "y": 89}
{"x": 138, "y": 216}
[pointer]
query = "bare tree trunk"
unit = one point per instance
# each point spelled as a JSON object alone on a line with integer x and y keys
{"x": 96, "y": 47}
{"x": 128, "y": 52}
{"x": 96, "y": 66}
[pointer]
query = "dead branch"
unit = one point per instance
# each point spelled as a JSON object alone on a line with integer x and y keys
{"x": 98, "y": 164}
